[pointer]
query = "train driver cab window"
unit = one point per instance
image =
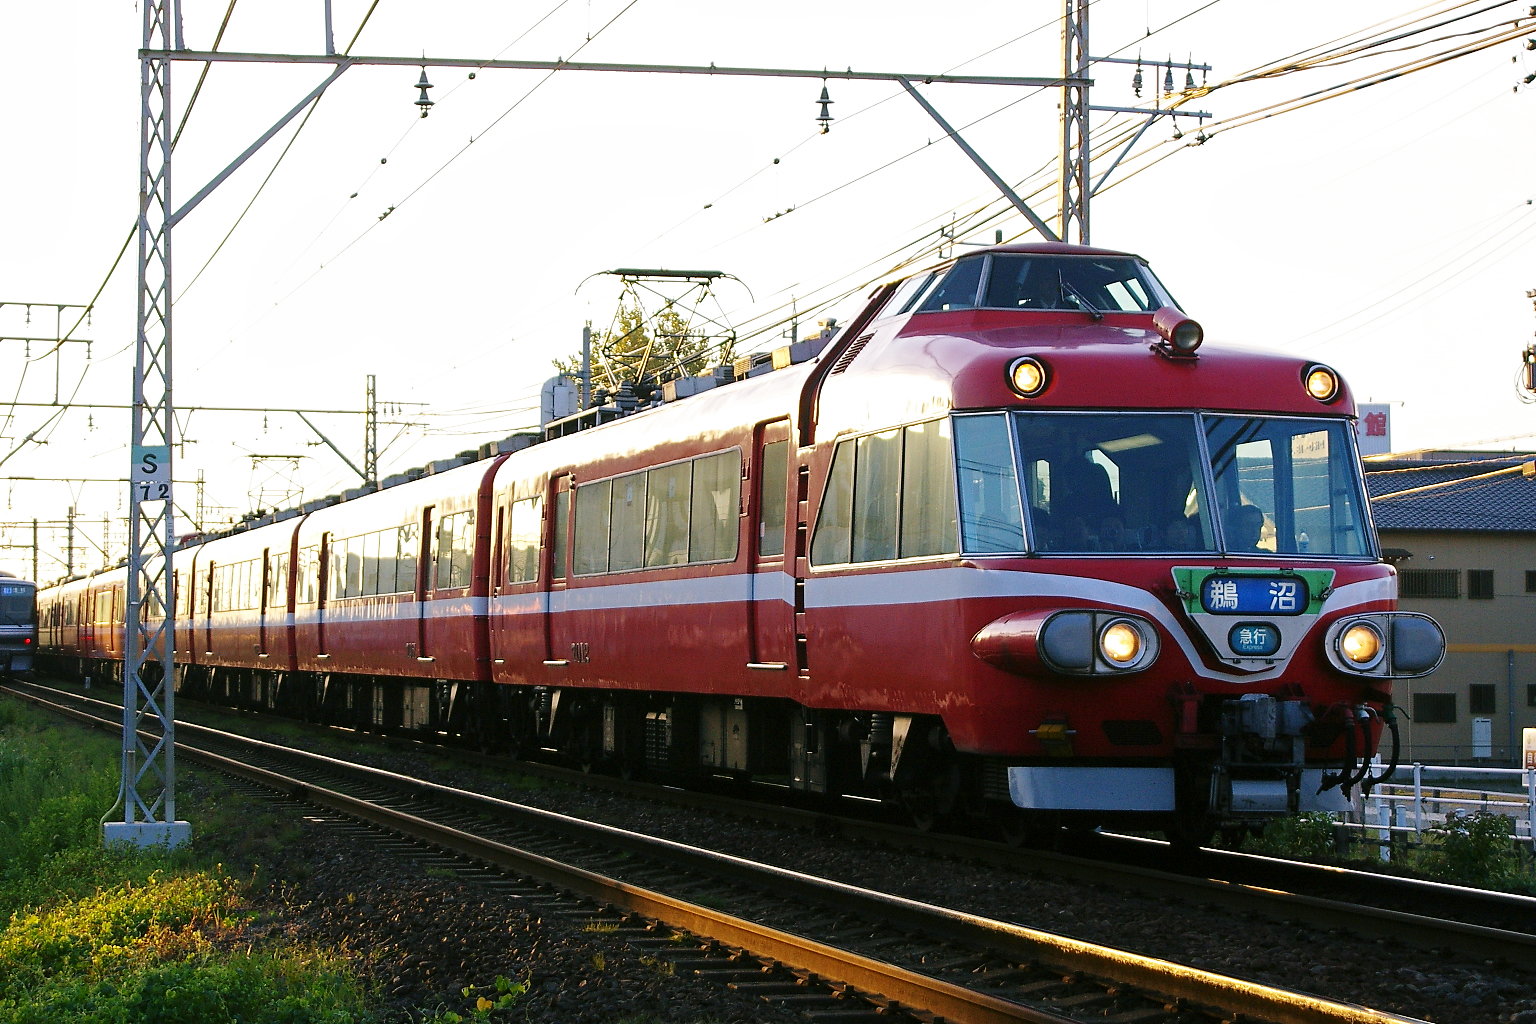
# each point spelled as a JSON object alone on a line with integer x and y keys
{"x": 990, "y": 517}
{"x": 1095, "y": 284}
{"x": 1286, "y": 486}
{"x": 1114, "y": 483}
{"x": 907, "y": 293}
{"x": 957, "y": 289}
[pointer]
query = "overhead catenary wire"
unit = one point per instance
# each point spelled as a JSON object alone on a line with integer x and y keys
{"x": 777, "y": 317}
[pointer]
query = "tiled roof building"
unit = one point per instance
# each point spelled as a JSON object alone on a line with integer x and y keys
{"x": 1461, "y": 528}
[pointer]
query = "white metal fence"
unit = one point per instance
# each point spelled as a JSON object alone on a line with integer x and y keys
{"x": 1421, "y": 797}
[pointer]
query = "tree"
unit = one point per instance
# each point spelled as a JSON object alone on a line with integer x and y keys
{"x": 649, "y": 351}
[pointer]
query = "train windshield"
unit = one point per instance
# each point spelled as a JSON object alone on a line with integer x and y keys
{"x": 17, "y": 606}
{"x": 1093, "y": 284}
{"x": 1116, "y": 483}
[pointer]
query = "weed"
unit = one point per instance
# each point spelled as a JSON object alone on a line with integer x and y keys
{"x": 502, "y": 994}
{"x": 1309, "y": 835}
{"x": 1475, "y": 849}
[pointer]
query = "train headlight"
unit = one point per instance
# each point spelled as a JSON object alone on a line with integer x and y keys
{"x": 1181, "y": 335}
{"x": 1391, "y": 645}
{"x": 1361, "y": 645}
{"x": 1068, "y": 642}
{"x": 1120, "y": 643}
{"x": 1083, "y": 642}
{"x": 1027, "y": 376}
{"x": 1321, "y": 383}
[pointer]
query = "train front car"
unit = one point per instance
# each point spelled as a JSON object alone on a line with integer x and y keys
{"x": 18, "y": 626}
{"x": 1169, "y": 587}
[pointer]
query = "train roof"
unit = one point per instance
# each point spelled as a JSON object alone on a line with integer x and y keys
{"x": 896, "y": 363}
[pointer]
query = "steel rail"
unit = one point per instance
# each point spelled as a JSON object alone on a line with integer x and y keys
{"x": 956, "y": 1003}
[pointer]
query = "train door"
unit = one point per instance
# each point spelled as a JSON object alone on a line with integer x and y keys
{"x": 265, "y": 610}
{"x": 427, "y": 579}
{"x": 323, "y": 596}
{"x": 556, "y": 545}
{"x": 771, "y": 611}
{"x": 205, "y": 601}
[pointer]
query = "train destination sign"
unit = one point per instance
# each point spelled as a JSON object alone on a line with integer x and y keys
{"x": 1254, "y": 595}
{"x": 1251, "y": 591}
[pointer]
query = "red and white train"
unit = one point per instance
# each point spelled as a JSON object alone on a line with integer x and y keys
{"x": 1012, "y": 543}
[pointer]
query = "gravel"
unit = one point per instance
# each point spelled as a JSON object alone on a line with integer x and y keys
{"x": 424, "y": 939}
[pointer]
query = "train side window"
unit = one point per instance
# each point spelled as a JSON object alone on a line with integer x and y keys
{"x": 876, "y": 484}
{"x": 309, "y": 575}
{"x": 716, "y": 505}
{"x": 772, "y": 503}
{"x": 667, "y": 505}
{"x": 277, "y": 582}
{"x": 370, "y": 556}
{"x": 352, "y": 568}
{"x": 626, "y": 530}
{"x": 407, "y": 540}
{"x": 927, "y": 491}
{"x": 991, "y": 519}
{"x": 523, "y": 540}
{"x": 592, "y": 514}
{"x": 557, "y": 530}
{"x": 831, "y": 544}
{"x": 455, "y": 545}
{"x": 464, "y": 549}
{"x": 442, "y": 553}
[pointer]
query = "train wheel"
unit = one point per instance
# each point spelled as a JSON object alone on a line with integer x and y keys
{"x": 1190, "y": 832}
{"x": 929, "y": 801}
{"x": 1021, "y": 829}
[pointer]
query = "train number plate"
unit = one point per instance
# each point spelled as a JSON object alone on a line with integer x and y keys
{"x": 1254, "y": 595}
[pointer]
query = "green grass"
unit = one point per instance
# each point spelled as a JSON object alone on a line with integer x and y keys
{"x": 106, "y": 935}
{"x": 1468, "y": 849}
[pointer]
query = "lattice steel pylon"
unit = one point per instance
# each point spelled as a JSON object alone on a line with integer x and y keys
{"x": 147, "y": 794}
{"x": 1075, "y": 184}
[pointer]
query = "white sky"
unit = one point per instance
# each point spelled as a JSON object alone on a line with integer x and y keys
{"x": 1388, "y": 232}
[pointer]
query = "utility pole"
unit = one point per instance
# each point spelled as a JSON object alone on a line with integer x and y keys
{"x": 147, "y": 792}
{"x": 371, "y": 436}
{"x": 1075, "y": 143}
{"x": 1076, "y": 185}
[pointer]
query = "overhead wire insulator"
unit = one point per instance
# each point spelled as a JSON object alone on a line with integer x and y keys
{"x": 423, "y": 102}
{"x": 825, "y": 117}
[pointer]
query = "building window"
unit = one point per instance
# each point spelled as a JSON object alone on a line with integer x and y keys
{"x": 1480, "y": 584}
{"x": 1429, "y": 583}
{"x": 1530, "y": 581}
{"x": 1481, "y": 699}
{"x": 1434, "y": 707}
{"x": 1530, "y": 695}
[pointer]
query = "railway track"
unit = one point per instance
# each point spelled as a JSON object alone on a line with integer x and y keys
{"x": 766, "y": 930}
